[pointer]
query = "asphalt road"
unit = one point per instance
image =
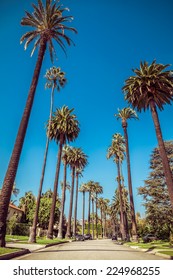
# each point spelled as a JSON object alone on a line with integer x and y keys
{"x": 89, "y": 250}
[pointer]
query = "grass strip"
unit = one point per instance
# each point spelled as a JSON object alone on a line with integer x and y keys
{"x": 8, "y": 250}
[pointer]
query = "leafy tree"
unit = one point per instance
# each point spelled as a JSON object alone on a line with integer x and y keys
{"x": 27, "y": 203}
{"x": 49, "y": 23}
{"x": 125, "y": 114}
{"x": 55, "y": 80}
{"x": 44, "y": 210}
{"x": 152, "y": 88}
{"x": 159, "y": 213}
{"x": 64, "y": 127}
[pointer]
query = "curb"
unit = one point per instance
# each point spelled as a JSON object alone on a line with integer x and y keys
{"x": 164, "y": 256}
{"x": 150, "y": 252}
{"x": 14, "y": 254}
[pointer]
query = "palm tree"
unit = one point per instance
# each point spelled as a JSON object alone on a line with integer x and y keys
{"x": 105, "y": 208}
{"x": 93, "y": 216}
{"x": 152, "y": 87}
{"x": 99, "y": 190}
{"x": 64, "y": 127}
{"x": 116, "y": 150}
{"x": 48, "y": 23}
{"x": 101, "y": 206}
{"x": 90, "y": 186}
{"x": 77, "y": 161}
{"x": 83, "y": 188}
{"x": 125, "y": 114}
{"x": 55, "y": 80}
{"x": 65, "y": 155}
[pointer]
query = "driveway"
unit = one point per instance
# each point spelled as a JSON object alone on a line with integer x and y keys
{"x": 104, "y": 249}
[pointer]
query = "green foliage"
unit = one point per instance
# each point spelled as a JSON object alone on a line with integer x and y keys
{"x": 48, "y": 22}
{"x": 18, "y": 229}
{"x": 11, "y": 225}
{"x": 28, "y": 203}
{"x": 64, "y": 125}
{"x": 159, "y": 213}
{"x": 44, "y": 211}
{"x": 150, "y": 84}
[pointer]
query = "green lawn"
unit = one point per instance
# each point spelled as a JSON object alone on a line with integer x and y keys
{"x": 153, "y": 245}
{"x": 40, "y": 240}
{"x": 169, "y": 253}
{"x": 8, "y": 250}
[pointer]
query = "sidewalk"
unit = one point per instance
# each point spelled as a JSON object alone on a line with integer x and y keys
{"x": 26, "y": 248}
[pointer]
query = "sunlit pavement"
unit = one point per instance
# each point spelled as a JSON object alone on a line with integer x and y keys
{"x": 89, "y": 250}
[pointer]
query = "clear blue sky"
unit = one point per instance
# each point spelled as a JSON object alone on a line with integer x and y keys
{"x": 113, "y": 37}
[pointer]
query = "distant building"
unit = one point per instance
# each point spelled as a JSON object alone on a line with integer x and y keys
{"x": 14, "y": 210}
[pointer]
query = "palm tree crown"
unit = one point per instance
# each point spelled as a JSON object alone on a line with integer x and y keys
{"x": 64, "y": 124}
{"x": 48, "y": 23}
{"x": 125, "y": 114}
{"x": 151, "y": 83}
{"x": 55, "y": 78}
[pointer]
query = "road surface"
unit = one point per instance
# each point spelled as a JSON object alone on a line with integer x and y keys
{"x": 105, "y": 249}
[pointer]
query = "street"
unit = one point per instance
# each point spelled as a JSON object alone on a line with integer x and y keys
{"x": 105, "y": 249}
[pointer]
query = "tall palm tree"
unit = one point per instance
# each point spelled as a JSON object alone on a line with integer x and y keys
{"x": 55, "y": 80}
{"x": 98, "y": 190}
{"x": 116, "y": 150}
{"x": 152, "y": 87}
{"x": 101, "y": 206}
{"x": 83, "y": 188}
{"x": 77, "y": 161}
{"x": 125, "y": 114}
{"x": 90, "y": 186}
{"x": 105, "y": 207}
{"x": 49, "y": 23}
{"x": 65, "y": 155}
{"x": 64, "y": 127}
{"x": 93, "y": 216}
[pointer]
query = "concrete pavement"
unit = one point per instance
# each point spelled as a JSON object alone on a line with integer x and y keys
{"x": 104, "y": 249}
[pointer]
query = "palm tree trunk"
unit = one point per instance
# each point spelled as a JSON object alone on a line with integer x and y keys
{"x": 96, "y": 219}
{"x": 104, "y": 228}
{"x": 132, "y": 208}
{"x": 89, "y": 199}
{"x": 83, "y": 214}
{"x": 60, "y": 231}
{"x": 68, "y": 234}
{"x": 15, "y": 157}
{"x": 101, "y": 214}
{"x": 54, "y": 195}
{"x": 32, "y": 237}
{"x": 122, "y": 226}
{"x": 113, "y": 227}
{"x": 75, "y": 208}
{"x": 162, "y": 150}
{"x": 92, "y": 218}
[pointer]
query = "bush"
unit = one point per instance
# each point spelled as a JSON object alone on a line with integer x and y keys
{"x": 18, "y": 229}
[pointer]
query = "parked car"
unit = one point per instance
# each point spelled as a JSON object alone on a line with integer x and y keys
{"x": 149, "y": 238}
{"x": 79, "y": 237}
{"x": 87, "y": 236}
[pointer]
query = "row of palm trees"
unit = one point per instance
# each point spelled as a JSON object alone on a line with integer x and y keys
{"x": 94, "y": 189}
{"x": 49, "y": 22}
{"x": 150, "y": 88}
